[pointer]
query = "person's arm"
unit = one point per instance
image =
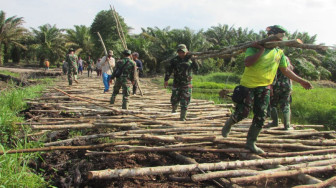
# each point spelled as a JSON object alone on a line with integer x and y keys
{"x": 251, "y": 60}
{"x": 291, "y": 75}
{"x": 169, "y": 71}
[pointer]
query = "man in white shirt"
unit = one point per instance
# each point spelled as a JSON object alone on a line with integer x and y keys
{"x": 107, "y": 64}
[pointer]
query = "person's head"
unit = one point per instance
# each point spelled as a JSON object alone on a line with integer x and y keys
{"x": 135, "y": 55}
{"x": 182, "y": 50}
{"x": 127, "y": 53}
{"x": 71, "y": 51}
{"x": 275, "y": 29}
{"x": 110, "y": 53}
{"x": 89, "y": 56}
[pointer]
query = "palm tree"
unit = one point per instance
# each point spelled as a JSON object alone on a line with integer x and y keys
{"x": 80, "y": 38}
{"x": 11, "y": 32}
{"x": 49, "y": 43}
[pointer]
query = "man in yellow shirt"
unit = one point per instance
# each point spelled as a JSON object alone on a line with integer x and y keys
{"x": 261, "y": 66}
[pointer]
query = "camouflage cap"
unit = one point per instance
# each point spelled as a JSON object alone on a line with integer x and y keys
{"x": 275, "y": 29}
{"x": 110, "y": 52}
{"x": 127, "y": 52}
{"x": 182, "y": 47}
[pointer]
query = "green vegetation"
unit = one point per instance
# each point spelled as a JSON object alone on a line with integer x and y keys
{"x": 13, "y": 74}
{"x": 14, "y": 171}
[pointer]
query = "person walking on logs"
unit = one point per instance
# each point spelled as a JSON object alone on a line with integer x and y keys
{"x": 71, "y": 59}
{"x": 135, "y": 56}
{"x": 261, "y": 66}
{"x": 65, "y": 67}
{"x": 90, "y": 65}
{"x": 282, "y": 89}
{"x": 47, "y": 64}
{"x": 182, "y": 66}
{"x": 107, "y": 64}
{"x": 124, "y": 73}
{"x": 98, "y": 68}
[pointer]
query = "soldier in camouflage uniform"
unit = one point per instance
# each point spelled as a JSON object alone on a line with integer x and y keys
{"x": 281, "y": 95}
{"x": 90, "y": 66}
{"x": 125, "y": 80}
{"x": 72, "y": 58}
{"x": 261, "y": 66}
{"x": 182, "y": 67}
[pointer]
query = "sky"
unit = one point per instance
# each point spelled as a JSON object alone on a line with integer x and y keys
{"x": 316, "y": 17}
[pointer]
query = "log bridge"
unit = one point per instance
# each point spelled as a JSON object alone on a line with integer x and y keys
{"x": 149, "y": 127}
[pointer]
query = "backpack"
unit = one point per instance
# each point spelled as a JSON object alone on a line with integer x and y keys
{"x": 239, "y": 94}
{"x": 119, "y": 71}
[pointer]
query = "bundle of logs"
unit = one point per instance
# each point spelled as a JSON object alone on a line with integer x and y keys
{"x": 148, "y": 126}
{"x": 269, "y": 42}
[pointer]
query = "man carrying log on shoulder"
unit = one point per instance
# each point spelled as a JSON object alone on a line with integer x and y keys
{"x": 72, "y": 59}
{"x": 182, "y": 66}
{"x": 125, "y": 71}
{"x": 261, "y": 66}
{"x": 107, "y": 64}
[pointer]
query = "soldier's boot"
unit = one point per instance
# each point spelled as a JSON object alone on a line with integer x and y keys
{"x": 125, "y": 105}
{"x": 112, "y": 99}
{"x": 183, "y": 115}
{"x": 70, "y": 82}
{"x": 287, "y": 121}
{"x": 275, "y": 118}
{"x": 251, "y": 140}
{"x": 227, "y": 127}
{"x": 174, "y": 108}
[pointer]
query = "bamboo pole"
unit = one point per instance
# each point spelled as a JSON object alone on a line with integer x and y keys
{"x": 117, "y": 25}
{"x": 130, "y": 172}
{"x": 248, "y": 179}
{"x": 287, "y": 154}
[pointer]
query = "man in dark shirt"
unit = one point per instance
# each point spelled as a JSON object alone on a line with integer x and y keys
{"x": 138, "y": 62}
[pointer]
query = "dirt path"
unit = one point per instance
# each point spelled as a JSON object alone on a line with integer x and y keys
{"x": 89, "y": 120}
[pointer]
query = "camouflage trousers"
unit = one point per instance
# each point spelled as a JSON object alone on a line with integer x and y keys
{"x": 72, "y": 73}
{"x": 126, "y": 89}
{"x": 281, "y": 95}
{"x": 258, "y": 98}
{"x": 182, "y": 95}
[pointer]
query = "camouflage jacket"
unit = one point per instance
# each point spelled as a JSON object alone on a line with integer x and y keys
{"x": 72, "y": 61}
{"x": 282, "y": 82}
{"x": 182, "y": 69}
{"x": 128, "y": 72}
{"x": 90, "y": 63}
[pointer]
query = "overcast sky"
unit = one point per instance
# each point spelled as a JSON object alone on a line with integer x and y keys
{"x": 312, "y": 16}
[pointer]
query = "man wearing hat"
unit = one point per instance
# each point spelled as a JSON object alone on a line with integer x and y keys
{"x": 124, "y": 73}
{"x": 107, "y": 64}
{"x": 72, "y": 59}
{"x": 261, "y": 65}
{"x": 182, "y": 67}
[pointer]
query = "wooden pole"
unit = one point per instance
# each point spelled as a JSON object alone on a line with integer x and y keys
{"x": 319, "y": 185}
{"x": 248, "y": 179}
{"x": 131, "y": 172}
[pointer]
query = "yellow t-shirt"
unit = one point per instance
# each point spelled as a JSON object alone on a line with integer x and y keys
{"x": 262, "y": 73}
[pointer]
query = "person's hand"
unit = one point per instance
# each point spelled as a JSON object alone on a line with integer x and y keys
{"x": 306, "y": 84}
{"x": 256, "y": 45}
{"x": 165, "y": 84}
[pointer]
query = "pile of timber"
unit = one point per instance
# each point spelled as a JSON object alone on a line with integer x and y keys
{"x": 149, "y": 126}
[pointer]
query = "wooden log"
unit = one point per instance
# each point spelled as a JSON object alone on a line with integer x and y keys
{"x": 130, "y": 172}
{"x": 287, "y": 154}
{"x": 248, "y": 172}
{"x": 302, "y": 135}
{"x": 52, "y": 148}
{"x": 169, "y": 148}
{"x": 60, "y": 127}
{"x": 248, "y": 179}
{"x": 325, "y": 183}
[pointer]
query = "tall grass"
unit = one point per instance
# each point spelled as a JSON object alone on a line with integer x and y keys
{"x": 13, "y": 74}
{"x": 14, "y": 171}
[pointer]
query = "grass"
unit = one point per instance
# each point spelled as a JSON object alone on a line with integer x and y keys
{"x": 316, "y": 106}
{"x": 13, "y": 74}
{"x": 14, "y": 171}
